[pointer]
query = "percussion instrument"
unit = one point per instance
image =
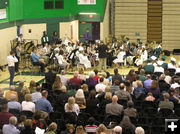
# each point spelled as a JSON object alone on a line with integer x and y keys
{"x": 28, "y": 47}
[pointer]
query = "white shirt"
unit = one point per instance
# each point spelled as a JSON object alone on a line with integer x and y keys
{"x": 11, "y": 60}
{"x": 74, "y": 109}
{"x": 100, "y": 86}
{"x": 36, "y": 96}
{"x": 28, "y": 106}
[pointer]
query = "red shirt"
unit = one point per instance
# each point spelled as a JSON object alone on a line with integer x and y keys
{"x": 4, "y": 118}
{"x": 76, "y": 81}
{"x": 96, "y": 77}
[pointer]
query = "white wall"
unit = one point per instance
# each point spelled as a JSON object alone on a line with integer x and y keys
{"x": 6, "y": 35}
{"x": 36, "y": 31}
{"x": 65, "y": 28}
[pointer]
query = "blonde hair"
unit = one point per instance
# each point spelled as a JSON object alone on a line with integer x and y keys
{"x": 81, "y": 70}
{"x": 71, "y": 102}
{"x": 25, "y": 91}
{"x": 80, "y": 130}
{"x": 52, "y": 127}
{"x": 108, "y": 95}
{"x": 101, "y": 128}
{"x": 107, "y": 89}
{"x": 28, "y": 123}
{"x": 85, "y": 87}
{"x": 28, "y": 97}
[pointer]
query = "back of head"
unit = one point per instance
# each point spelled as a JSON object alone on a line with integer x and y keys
{"x": 79, "y": 93}
{"x": 63, "y": 88}
{"x": 114, "y": 98}
{"x": 12, "y": 97}
{"x": 1, "y": 93}
{"x": 12, "y": 88}
{"x": 121, "y": 86}
{"x": 28, "y": 123}
{"x": 116, "y": 82}
{"x": 130, "y": 104}
{"x": 96, "y": 71}
{"x": 101, "y": 79}
{"x": 139, "y": 130}
{"x": 28, "y": 97}
{"x": 115, "y": 71}
{"x": 13, "y": 120}
{"x": 91, "y": 74}
{"x": 75, "y": 74}
{"x": 52, "y": 127}
{"x": 166, "y": 95}
{"x": 101, "y": 128}
{"x": 44, "y": 93}
{"x": 118, "y": 130}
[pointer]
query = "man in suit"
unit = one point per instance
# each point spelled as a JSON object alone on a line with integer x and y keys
{"x": 50, "y": 76}
{"x": 114, "y": 108}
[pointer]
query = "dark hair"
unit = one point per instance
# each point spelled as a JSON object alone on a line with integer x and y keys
{"x": 91, "y": 121}
{"x": 130, "y": 104}
{"x": 92, "y": 94}
{"x": 108, "y": 74}
{"x": 116, "y": 82}
{"x": 61, "y": 52}
{"x": 130, "y": 72}
{"x": 95, "y": 71}
{"x": 115, "y": 71}
{"x": 38, "y": 89}
{"x": 101, "y": 79}
{"x": 12, "y": 52}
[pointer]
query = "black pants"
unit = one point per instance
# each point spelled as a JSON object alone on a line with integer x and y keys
{"x": 17, "y": 64}
{"x": 39, "y": 64}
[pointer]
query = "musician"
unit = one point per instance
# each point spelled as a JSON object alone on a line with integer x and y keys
{"x": 102, "y": 50}
{"x": 47, "y": 49}
{"x": 18, "y": 55}
{"x": 44, "y": 38}
{"x": 55, "y": 39}
{"x": 91, "y": 50}
{"x": 36, "y": 60}
{"x": 83, "y": 59}
{"x": 11, "y": 60}
{"x": 128, "y": 43}
{"x": 130, "y": 54}
{"x": 61, "y": 60}
{"x": 110, "y": 53}
{"x": 69, "y": 47}
{"x": 20, "y": 39}
{"x": 120, "y": 57}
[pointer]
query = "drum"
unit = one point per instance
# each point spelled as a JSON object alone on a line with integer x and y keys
{"x": 28, "y": 47}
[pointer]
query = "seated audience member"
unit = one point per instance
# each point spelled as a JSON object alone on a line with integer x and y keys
{"x": 117, "y": 130}
{"x": 134, "y": 83}
{"x": 150, "y": 97}
{"x": 131, "y": 76}
{"x": 64, "y": 79}
{"x": 173, "y": 96}
{"x": 75, "y": 80}
{"x": 57, "y": 83}
{"x": 28, "y": 129}
{"x": 130, "y": 111}
{"x": 4, "y": 115}
{"x": 96, "y": 77}
{"x": 142, "y": 76}
{"x": 50, "y": 76}
{"x": 166, "y": 103}
{"x": 91, "y": 127}
{"x": 71, "y": 106}
{"x": 39, "y": 119}
{"x": 106, "y": 81}
{"x": 114, "y": 108}
{"x": 52, "y": 128}
{"x": 116, "y": 76}
{"x": 36, "y": 95}
{"x": 101, "y": 129}
{"x": 43, "y": 104}
{"x": 139, "y": 90}
{"x": 69, "y": 129}
{"x": 139, "y": 130}
{"x": 24, "y": 91}
{"x": 147, "y": 82}
{"x": 91, "y": 103}
{"x": 81, "y": 74}
{"x": 12, "y": 91}
{"x": 85, "y": 90}
{"x": 115, "y": 86}
{"x": 163, "y": 85}
{"x": 11, "y": 127}
{"x": 100, "y": 85}
{"x": 154, "y": 89}
{"x": 13, "y": 104}
{"x": 28, "y": 105}
{"x": 127, "y": 126}
{"x": 168, "y": 78}
{"x": 176, "y": 83}
{"x": 129, "y": 87}
{"x": 80, "y": 130}
{"x": 21, "y": 121}
{"x": 122, "y": 94}
{"x": 32, "y": 86}
{"x": 21, "y": 85}
{"x": 36, "y": 60}
{"x": 107, "y": 99}
{"x": 91, "y": 82}
{"x": 80, "y": 99}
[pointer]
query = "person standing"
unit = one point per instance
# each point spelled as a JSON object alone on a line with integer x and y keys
{"x": 44, "y": 38}
{"x": 87, "y": 36}
{"x": 11, "y": 60}
{"x": 102, "y": 48}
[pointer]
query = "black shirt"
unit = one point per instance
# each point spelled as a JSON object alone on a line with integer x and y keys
{"x": 102, "y": 51}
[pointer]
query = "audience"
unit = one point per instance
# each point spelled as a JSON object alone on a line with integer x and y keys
{"x": 139, "y": 130}
{"x": 80, "y": 99}
{"x": 52, "y": 128}
{"x": 117, "y": 130}
{"x": 11, "y": 91}
{"x": 166, "y": 103}
{"x": 28, "y": 105}
{"x": 75, "y": 80}
{"x": 127, "y": 126}
{"x": 100, "y": 85}
{"x": 28, "y": 129}
{"x": 36, "y": 95}
{"x": 71, "y": 106}
{"x": 130, "y": 111}
{"x": 32, "y": 86}
{"x": 13, "y": 104}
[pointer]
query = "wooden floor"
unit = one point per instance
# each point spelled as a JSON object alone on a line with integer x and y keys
{"x": 27, "y": 76}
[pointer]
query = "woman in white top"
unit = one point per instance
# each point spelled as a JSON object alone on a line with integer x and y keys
{"x": 61, "y": 61}
{"x": 71, "y": 106}
{"x": 28, "y": 105}
{"x": 172, "y": 64}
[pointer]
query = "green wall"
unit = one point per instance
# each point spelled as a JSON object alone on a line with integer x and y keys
{"x": 15, "y": 10}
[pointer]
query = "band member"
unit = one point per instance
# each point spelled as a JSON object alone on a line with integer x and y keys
{"x": 120, "y": 57}
{"x": 83, "y": 59}
{"x": 11, "y": 60}
{"x": 18, "y": 55}
{"x": 55, "y": 38}
{"x": 44, "y": 38}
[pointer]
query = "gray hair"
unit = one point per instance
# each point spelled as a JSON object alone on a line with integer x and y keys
{"x": 13, "y": 120}
{"x": 139, "y": 130}
{"x": 12, "y": 97}
{"x": 12, "y": 87}
{"x": 91, "y": 74}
